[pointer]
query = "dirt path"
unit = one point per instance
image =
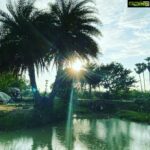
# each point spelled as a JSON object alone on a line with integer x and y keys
{"x": 7, "y": 108}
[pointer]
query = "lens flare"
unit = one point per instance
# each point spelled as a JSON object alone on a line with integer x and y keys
{"x": 77, "y": 65}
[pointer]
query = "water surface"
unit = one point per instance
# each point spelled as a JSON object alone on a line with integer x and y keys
{"x": 95, "y": 134}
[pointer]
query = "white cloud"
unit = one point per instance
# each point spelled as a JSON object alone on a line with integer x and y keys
{"x": 126, "y": 31}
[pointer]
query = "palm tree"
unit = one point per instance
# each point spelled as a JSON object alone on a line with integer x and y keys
{"x": 148, "y": 66}
{"x": 89, "y": 76}
{"x": 74, "y": 30}
{"x": 92, "y": 76}
{"x": 141, "y": 67}
{"x": 138, "y": 71}
{"x": 144, "y": 67}
{"x": 98, "y": 73}
{"x": 22, "y": 36}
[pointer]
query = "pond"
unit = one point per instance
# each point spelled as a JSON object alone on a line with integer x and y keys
{"x": 87, "y": 134}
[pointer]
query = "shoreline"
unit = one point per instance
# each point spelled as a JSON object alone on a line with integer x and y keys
{"x": 19, "y": 119}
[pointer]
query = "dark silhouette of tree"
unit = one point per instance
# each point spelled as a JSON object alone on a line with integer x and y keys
{"x": 141, "y": 67}
{"x": 23, "y": 44}
{"x": 73, "y": 27}
{"x": 116, "y": 78}
{"x": 92, "y": 76}
{"x": 144, "y": 67}
{"x": 139, "y": 71}
{"x": 148, "y": 66}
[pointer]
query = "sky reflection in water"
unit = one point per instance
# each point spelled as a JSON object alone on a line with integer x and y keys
{"x": 111, "y": 134}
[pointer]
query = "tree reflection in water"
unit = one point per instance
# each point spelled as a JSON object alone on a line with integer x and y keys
{"x": 111, "y": 134}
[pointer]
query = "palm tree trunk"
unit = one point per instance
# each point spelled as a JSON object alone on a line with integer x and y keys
{"x": 56, "y": 84}
{"x": 141, "y": 83}
{"x": 144, "y": 82}
{"x": 33, "y": 84}
{"x": 99, "y": 87}
{"x": 90, "y": 90}
{"x": 85, "y": 87}
{"x": 81, "y": 86}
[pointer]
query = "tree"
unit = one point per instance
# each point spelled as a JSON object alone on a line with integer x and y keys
{"x": 144, "y": 67}
{"x": 148, "y": 66}
{"x": 8, "y": 80}
{"x": 22, "y": 39}
{"x": 91, "y": 76}
{"x": 141, "y": 67}
{"x": 66, "y": 78}
{"x": 139, "y": 71}
{"x": 116, "y": 78}
{"x": 74, "y": 30}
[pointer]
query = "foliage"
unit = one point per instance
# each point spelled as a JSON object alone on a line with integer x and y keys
{"x": 134, "y": 116}
{"x": 132, "y": 95}
{"x": 8, "y": 80}
{"x": 92, "y": 75}
{"x": 116, "y": 78}
{"x": 67, "y": 80}
{"x": 64, "y": 91}
{"x": 138, "y": 95}
{"x": 148, "y": 64}
{"x": 74, "y": 26}
{"x": 22, "y": 42}
{"x": 20, "y": 116}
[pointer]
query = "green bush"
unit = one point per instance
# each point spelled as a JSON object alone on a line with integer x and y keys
{"x": 134, "y": 116}
{"x": 8, "y": 80}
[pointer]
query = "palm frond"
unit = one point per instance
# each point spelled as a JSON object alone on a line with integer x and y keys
{"x": 79, "y": 5}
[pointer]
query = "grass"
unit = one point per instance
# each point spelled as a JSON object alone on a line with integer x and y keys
{"x": 134, "y": 116}
{"x": 24, "y": 118}
{"x": 20, "y": 116}
{"x": 135, "y": 111}
{"x": 11, "y": 120}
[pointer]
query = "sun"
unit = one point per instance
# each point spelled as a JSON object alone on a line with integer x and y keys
{"x": 77, "y": 65}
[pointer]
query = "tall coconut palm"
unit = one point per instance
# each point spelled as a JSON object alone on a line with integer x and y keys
{"x": 89, "y": 76}
{"x": 92, "y": 76}
{"x": 140, "y": 68}
{"x": 74, "y": 29}
{"x": 138, "y": 71}
{"x": 148, "y": 66}
{"x": 144, "y": 67}
{"x": 22, "y": 37}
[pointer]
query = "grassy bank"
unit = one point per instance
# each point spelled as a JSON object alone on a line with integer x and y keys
{"x": 19, "y": 116}
{"x": 11, "y": 120}
{"x": 134, "y": 116}
{"x": 24, "y": 119}
{"x": 138, "y": 111}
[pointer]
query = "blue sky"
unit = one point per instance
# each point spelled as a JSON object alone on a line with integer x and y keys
{"x": 126, "y": 34}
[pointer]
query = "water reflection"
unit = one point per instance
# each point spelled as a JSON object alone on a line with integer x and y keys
{"x": 111, "y": 134}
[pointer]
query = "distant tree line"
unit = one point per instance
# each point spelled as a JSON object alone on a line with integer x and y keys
{"x": 111, "y": 78}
